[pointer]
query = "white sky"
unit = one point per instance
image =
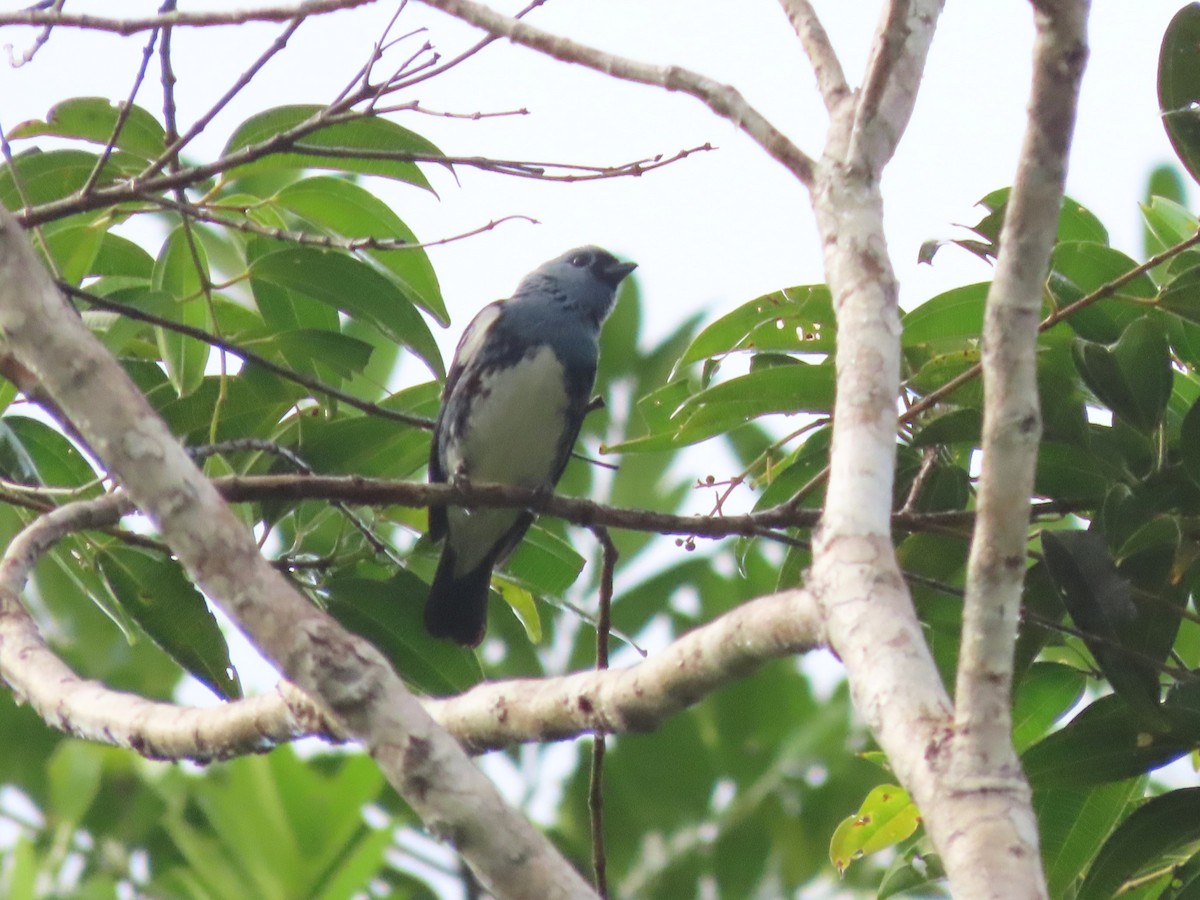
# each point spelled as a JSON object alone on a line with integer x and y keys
{"x": 710, "y": 232}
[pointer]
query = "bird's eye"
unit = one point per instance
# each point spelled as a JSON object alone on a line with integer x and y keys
{"x": 580, "y": 260}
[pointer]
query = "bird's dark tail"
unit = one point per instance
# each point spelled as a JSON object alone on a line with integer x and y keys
{"x": 457, "y": 607}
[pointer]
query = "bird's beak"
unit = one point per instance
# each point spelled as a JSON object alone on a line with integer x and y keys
{"x": 615, "y": 273}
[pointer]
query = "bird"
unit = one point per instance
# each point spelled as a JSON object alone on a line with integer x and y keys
{"x": 515, "y": 398}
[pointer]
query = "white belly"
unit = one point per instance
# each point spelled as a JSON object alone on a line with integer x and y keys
{"x": 512, "y": 436}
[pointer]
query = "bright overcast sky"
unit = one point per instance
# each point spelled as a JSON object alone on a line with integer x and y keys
{"x": 709, "y": 232}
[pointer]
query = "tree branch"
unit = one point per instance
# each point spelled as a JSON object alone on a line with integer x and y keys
{"x": 831, "y": 80}
{"x": 491, "y": 716}
{"x": 89, "y": 710}
{"x": 984, "y": 757}
{"x": 722, "y": 99}
{"x": 891, "y": 81}
{"x": 54, "y": 18}
{"x": 344, "y": 672}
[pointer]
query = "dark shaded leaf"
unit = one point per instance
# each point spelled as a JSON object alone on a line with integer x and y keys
{"x": 1148, "y": 838}
{"x": 1133, "y": 377}
{"x": 341, "y": 282}
{"x": 342, "y": 208}
{"x": 1080, "y": 269}
{"x": 390, "y": 614}
{"x": 1073, "y": 823}
{"x": 1179, "y": 86}
{"x": 1100, "y": 601}
{"x": 155, "y": 591}
{"x": 1109, "y": 742}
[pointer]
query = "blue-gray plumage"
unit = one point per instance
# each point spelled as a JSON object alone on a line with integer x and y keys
{"x": 515, "y": 398}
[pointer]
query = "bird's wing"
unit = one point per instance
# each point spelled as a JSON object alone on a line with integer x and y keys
{"x": 473, "y": 338}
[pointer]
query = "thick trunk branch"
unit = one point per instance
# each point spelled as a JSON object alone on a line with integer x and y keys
{"x": 984, "y": 759}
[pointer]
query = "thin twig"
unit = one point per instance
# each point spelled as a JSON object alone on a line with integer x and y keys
{"x": 178, "y": 142}
{"x": 257, "y": 445}
{"x": 324, "y": 241}
{"x": 122, "y": 116}
{"x": 722, "y": 99}
{"x": 596, "y": 787}
{"x": 39, "y": 40}
{"x": 246, "y": 356}
{"x": 53, "y": 19}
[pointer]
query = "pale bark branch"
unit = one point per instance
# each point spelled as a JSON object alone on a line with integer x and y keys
{"x": 831, "y": 80}
{"x": 344, "y": 672}
{"x": 88, "y": 709}
{"x": 868, "y": 611}
{"x": 488, "y": 717}
{"x": 891, "y": 81}
{"x": 54, "y": 18}
{"x": 640, "y": 697}
{"x": 722, "y": 99}
{"x": 984, "y": 755}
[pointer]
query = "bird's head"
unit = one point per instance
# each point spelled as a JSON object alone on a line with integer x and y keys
{"x": 584, "y": 279}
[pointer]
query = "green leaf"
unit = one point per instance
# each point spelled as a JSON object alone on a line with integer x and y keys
{"x": 43, "y": 176}
{"x": 886, "y": 817}
{"x": 955, "y": 427}
{"x": 31, "y": 452}
{"x": 1100, "y": 601}
{"x": 1048, "y": 692}
{"x": 1109, "y": 742}
{"x": 93, "y": 119}
{"x": 74, "y": 780}
{"x": 361, "y": 445}
{"x": 1179, "y": 86}
{"x": 781, "y": 389}
{"x": 340, "y": 207}
{"x": 182, "y": 276}
{"x": 1133, "y": 377}
{"x": 74, "y": 246}
{"x": 1148, "y": 838}
{"x": 545, "y": 562}
{"x": 1181, "y": 295}
{"x": 798, "y": 319}
{"x": 948, "y": 322}
{"x": 341, "y": 282}
{"x": 172, "y": 612}
{"x": 1065, "y": 473}
{"x": 1189, "y": 443}
{"x": 120, "y": 256}
{"x": 372, "y": 134}
{"x": 1080, "y": 269}
{"x": 1073, "y": 823}
{"x": 1075, "y": 223}
{"x": 521, "y": 601}
{"x": 330, "y": 354}
{"x": 1168, "y": 222}
{"x": 913, "y": 869}
{"x": 390, "y": 615}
